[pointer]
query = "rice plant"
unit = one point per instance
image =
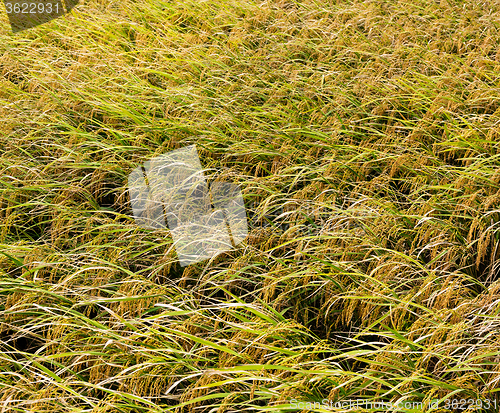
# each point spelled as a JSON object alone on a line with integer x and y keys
{"x": 364, "y": 136}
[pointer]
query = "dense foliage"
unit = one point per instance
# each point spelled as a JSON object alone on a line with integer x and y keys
{"x": 365, "y": 138}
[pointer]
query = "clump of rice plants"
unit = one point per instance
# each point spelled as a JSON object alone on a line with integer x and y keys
{"x": 368, "y": 132}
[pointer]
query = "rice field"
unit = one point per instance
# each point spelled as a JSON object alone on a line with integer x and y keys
{"x": 364, "y": 136}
